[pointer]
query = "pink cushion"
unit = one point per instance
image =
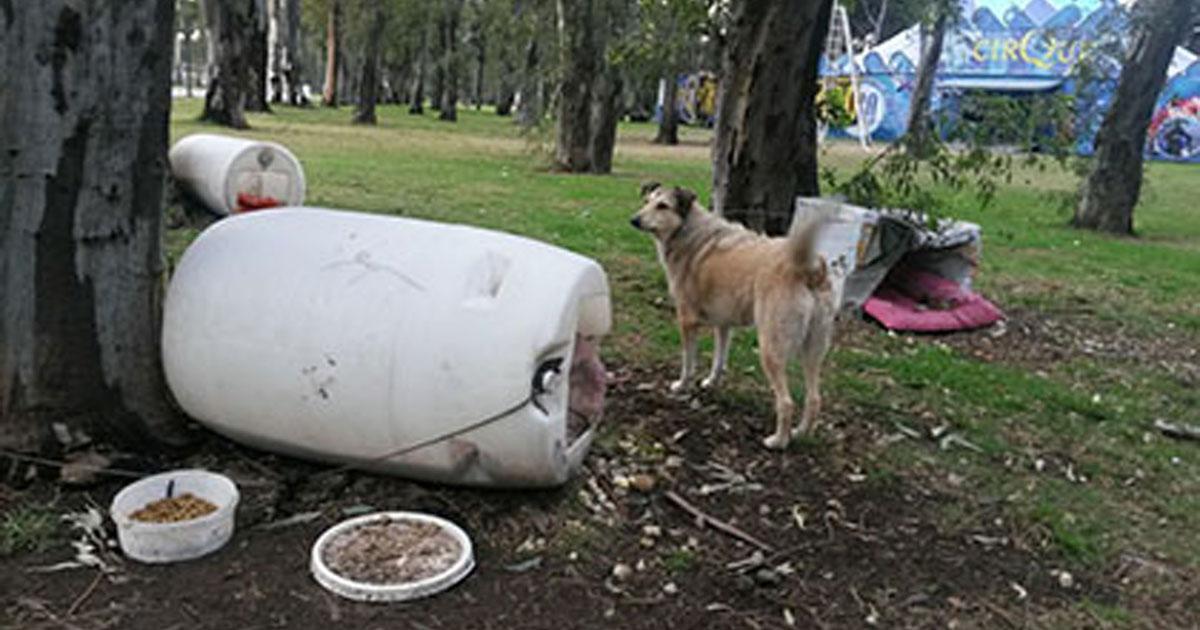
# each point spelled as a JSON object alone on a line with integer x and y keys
{"x": 919, "y": 301}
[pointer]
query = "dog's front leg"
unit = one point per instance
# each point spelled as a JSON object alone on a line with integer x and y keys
{"x": 691, "y": 339}
{"x": 720, "y": 357}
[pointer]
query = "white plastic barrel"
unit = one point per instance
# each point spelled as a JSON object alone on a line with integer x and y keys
{"x": 216, "y": 169}
{"x": 343, "y": 337}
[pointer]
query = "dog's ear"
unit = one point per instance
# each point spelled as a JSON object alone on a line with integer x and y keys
{"x": 684, "y": 199}
{"x": 649, "y": 187}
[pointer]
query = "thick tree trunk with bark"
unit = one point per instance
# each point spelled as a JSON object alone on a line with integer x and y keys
{"x": 258, "y": 56}
{"x": 1114, "y": 185}
{"x": 765, "y": 152}
{"x": 579, "y": 61}
{"x": 668, "y": 121}
{"x": 225, "y": 100}
{"x": 368, "y": 83}
{"x": 451, "y": 64}
{"x": 333, "y": 56}
{"x": 83, "y": 143}
{"x": 505, "y": 93}
{"x": 606, "y": 111}
{"x": 529, "y": 111}
{"x": 920, "y": 125}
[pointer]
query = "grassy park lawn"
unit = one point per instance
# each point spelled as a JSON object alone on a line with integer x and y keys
{"x": 1054, "y": 502}
{"x": 1103, "y": 337}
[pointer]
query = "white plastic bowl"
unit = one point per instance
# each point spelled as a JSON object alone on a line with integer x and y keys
{"x": 398, "y": 592}
{"x": 184, "y": 540}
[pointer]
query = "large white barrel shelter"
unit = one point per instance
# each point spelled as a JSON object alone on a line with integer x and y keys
{"x": 349, "y": 337}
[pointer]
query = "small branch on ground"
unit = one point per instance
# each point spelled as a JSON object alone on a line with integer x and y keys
{"x": 1180, "y": 431}
{"x": 717, "y": 524}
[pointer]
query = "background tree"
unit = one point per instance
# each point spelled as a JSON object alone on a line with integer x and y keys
{"x": 451, "y": 60}
{"x": 229, "y": 24}
{"x": 579, "y": 59}
{"x": 333, "y": 56}
{"x": 765, "y": 150}
{"x": 83, "y": 142}
{"x": 368, "y": 83}
{"x": 1111, "y": 190}
{"x": 940, "y": 15}
{"x": 257, "y": 56}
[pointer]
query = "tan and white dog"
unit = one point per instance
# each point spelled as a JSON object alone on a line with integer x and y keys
{"x": 723, "y": 275}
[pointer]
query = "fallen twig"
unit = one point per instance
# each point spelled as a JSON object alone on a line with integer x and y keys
{"x": 719, "y": 525}
{"x": 1181, "y": 431}
{"x": 87, "y": 592}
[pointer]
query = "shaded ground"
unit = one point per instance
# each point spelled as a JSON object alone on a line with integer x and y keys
{"x": 853, "y": 543}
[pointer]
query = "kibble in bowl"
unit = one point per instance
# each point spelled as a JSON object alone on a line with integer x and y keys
{"x": 174, "y": 516}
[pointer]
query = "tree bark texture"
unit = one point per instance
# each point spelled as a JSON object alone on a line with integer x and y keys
{"x": 606, "y": 111}
{"x": 83, "y": 143}
{"x": 668, "y": 121}
{"x": 920, "y": 124}
{"x": 258, "y": 55}
{"x": 765, "y": 151}
{"x": 1114, "y": 185}
{"x": 225, "y": 100}
{"x": 451, "y": 64}
{"x": 579, "y": 60}
{"x": 529, "y": 110}
{"x": 333, "y": 57}
{"x": 416, "y": 103}
{"x": 368, "y": 84}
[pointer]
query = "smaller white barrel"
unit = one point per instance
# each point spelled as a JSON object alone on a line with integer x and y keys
{"x": 348, "y": 337}
{"x": 216, "y": 169}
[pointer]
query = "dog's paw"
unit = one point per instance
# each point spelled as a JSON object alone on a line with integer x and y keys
{"x": 710, "y": 382}
{"x": 775, "y": 443}
{"x": 679, "y": 386}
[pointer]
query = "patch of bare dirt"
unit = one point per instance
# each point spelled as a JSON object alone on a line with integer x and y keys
{"x": 843, "y": 547}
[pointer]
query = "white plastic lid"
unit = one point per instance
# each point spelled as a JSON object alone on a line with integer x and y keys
{"x": 401, "y": 591}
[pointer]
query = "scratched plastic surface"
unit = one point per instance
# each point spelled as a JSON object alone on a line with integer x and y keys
{"x": 342, "y": 337}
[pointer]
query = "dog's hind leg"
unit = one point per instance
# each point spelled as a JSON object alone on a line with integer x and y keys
{"x": 774, "y": 350}
{"x": 812, "y": 356}
{"x": 691, "y": 340}
{"x": 720, "y": 357}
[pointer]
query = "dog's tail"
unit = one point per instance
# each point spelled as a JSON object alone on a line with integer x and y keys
{"x": 802, "y": 250}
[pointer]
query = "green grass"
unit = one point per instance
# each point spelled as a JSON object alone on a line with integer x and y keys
{"x": 28, "y": 528}
{"x": 1094, "y": 415}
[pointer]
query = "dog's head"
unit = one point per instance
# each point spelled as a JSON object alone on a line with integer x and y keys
{"x": 664, "y": 210}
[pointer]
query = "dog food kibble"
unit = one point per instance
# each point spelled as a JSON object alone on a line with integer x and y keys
{"x": 392, "y": 552}
{"x": 184, "y": 507}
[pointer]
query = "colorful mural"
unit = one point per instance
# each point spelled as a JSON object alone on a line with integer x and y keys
{"x": 1021, "y": 47}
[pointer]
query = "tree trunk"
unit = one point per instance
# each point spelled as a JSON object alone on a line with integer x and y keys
{"x": 451, "y": 64}
{"x": 529, "y": 111}
{"x": 333, "y": 57}
{"x": 765, "y": 151}
{"x": 920, "y": 125}
{"x": 368, "y": 84}
{"x": 480, "y": 66}
{"x": 1114, "y": 185}
{"x": 668, "y": 120}
{"x": 276, "y": 50}
{"x": 416, "y": 103}
{"x": 606, "y": 112}
{"x": 293, "y": 70}
{"x": 256, "y": 72}
{"x": 505, "y": 95}
{"x": 578, "y": 60}
{"x": 225, "y": 99}
{"x": 83, "y": 144}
